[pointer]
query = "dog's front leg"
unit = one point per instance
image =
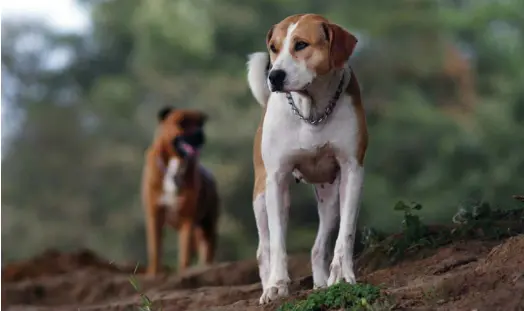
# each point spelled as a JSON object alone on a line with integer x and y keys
{"x": 352, "y": 175}
{"x": 277, "y": 205}
{"x": 259, "y": 207}
{"x": 327, "y": 196}
{"x": 155, "y": 218}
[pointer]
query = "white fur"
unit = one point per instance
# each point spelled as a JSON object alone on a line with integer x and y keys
{"x": 259, "y": 207}
{"x": 256, "y": 76}
{"x": 285, "y": 140}
{"x": 298, "y": 76}
{"x": 328, "y": 213}
{"x": 170, "y": 188}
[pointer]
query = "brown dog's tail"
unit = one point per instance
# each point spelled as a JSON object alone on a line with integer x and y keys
{"x": 257, "y": 71}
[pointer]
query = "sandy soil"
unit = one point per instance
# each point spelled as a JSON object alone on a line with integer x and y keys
{"x": 473, "y": 275}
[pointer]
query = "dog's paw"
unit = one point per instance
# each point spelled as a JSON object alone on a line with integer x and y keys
{"x": 340, "y": 272}
{"x": 319, "y": 286}
{"x": 274, "y": 292}
{"x": 151, "y": 272}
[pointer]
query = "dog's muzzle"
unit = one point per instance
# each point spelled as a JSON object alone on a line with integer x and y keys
{"x": 188, "y": 145}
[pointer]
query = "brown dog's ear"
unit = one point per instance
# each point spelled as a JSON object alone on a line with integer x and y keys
{"x": 341, "y": 44}
{"x": 164, "y": 112}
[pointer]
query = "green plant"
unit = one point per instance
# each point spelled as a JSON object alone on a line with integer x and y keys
{"x": 146, "y": 304}
{"x": 413, "y": 229}
{"x": 481, "y": 221}
{"x": 414, "y": 233}
{"x": 343, "y": 295}
{"x": 476, "y": 221}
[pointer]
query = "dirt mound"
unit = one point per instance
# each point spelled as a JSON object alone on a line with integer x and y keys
{"x": 479, "y": 275}
{"x": 509, "y": 254}
{"x": 53, "y": 262}
{"x": 232, "y": 274}
{"x": 497, "y": 283}
{"x": 82, "y": 277}
{"x": 465, "y": 276}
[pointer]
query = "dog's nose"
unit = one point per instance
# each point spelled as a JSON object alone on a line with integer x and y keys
{"x": 276, "y": 78}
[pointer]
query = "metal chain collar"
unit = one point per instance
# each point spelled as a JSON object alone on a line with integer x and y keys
{"x": 327, "y": 111}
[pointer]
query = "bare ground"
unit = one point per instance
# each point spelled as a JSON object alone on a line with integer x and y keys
{"x": 472, "y": 275}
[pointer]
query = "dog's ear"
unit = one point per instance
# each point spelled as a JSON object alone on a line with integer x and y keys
{"x": 341, "y": 44}
{"x": 164, "y": 112}
{"x": 269, "y": 34}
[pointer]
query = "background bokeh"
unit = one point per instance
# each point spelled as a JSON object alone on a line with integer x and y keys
{"x": 442, "y": 82}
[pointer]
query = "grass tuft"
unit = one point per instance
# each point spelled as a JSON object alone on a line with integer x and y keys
{"x": 146, "y": 304}
{"x": 340, "y": 296}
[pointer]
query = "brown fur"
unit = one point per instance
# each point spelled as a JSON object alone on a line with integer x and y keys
{"x": 258, "y": 163}
{"x": 197, "y": 216}
{"x": 329, "y": 44}
{"x": 324, "y": 55}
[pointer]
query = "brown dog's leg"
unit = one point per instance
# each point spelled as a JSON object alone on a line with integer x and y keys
{"x": 155, "y": 219}
{"x": 206, "y": 242}
{"x": 184, "y": 244}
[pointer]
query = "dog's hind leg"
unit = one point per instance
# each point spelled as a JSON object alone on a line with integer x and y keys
{"x": 206, "y": 238}
{"x": 328, "y": 213}
{"x": 206, "y": 230}
{"x": 184, "y": 244}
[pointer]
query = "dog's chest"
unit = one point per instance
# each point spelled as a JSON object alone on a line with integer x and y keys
{"x": 313, "y": 152}
{"x": 318, "y": 166}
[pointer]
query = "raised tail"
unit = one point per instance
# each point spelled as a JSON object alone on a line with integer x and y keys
{"x": 257, "y": 70}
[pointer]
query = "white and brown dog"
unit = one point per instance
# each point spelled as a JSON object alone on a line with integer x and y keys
{"x": 313, "y": 127}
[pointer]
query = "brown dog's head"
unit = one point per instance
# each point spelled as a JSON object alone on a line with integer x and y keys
{"x": 303, "y": 47}
{"x": 180, "y": 132}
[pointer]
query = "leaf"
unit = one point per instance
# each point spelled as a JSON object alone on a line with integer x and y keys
{"x": 134, "y": 283}
{"x": 417, "y": 206}
{"x": 400, "y": 206}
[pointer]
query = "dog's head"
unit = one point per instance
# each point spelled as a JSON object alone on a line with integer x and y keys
{"x": 303, "y": 47}
{"x": 181, "y": 132}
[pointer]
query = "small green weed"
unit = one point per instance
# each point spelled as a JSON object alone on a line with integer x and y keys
{"x": 145, "y": 303}
{"x": 481, "y": 220}
{"x": 414, "y": 232}
{"x": 477, "y": 221}
{"x": 343, "y": 295}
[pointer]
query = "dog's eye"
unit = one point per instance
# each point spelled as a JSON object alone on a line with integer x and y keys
{"x": 300, "y": 45}
{"x": 184, "y": 123}
{"x": 273, "y": 48}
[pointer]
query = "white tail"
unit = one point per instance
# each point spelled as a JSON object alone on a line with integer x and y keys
{"x": 256, "y": 76}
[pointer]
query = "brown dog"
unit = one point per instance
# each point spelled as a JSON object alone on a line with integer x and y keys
{"x": 178, "y": 191}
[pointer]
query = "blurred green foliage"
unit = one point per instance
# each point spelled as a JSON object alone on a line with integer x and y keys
{"x": 442, "y": 85}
